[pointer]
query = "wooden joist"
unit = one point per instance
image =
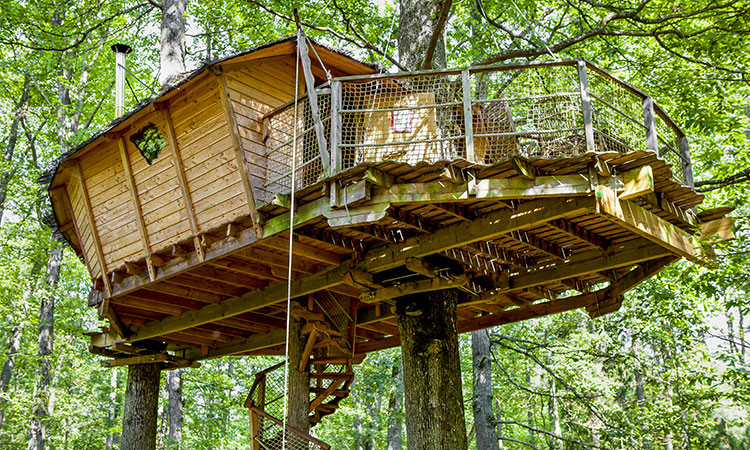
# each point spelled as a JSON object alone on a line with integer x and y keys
{"x": 415, "y": 287}
{"x": 376, "y": 260}
{"x": 648, "y": 225}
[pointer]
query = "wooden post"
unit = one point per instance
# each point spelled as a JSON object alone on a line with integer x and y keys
{"x": 588, "y": 126}
{"x": 336, "y": 161}
{"x": 687, "y": 165}
{"x": 254, "y": 430}
{"x": 468, "y": 115}
{"x": 94, "y": 233}
{"x": 312, "y": 96}
{"x": 650, "y": 122}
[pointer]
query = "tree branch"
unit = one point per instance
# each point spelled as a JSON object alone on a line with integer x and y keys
{"x": 437, "y": 33}
{"x": 739, "y": 177}
{"x": 364, "y": 44}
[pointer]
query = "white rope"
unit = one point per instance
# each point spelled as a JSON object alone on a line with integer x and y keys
{"x": 291, "y": 241}
{"x": 325, "y": 69}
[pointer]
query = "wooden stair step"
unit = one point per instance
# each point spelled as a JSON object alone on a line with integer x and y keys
{"x": 336, "y": 393}
{"x": 333, "y": 376}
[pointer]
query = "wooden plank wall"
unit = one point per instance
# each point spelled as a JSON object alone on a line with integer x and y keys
{"x": 210, "y": 168}
{"x": 254, "y": 91}
{"x": 108, "y": 193}
{"x": 210, "y": 164}
{"x": 159, "y": 195}
{"x": 84, "y": 227}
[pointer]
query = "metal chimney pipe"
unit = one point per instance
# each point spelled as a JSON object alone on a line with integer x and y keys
{"x": 121, "y": 51}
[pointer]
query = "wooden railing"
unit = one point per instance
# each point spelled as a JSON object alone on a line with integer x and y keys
{"x": 482, "y": 114}
{"x": 268, "y": 431}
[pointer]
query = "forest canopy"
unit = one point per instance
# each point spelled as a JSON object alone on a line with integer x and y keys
{"x": 669, "y": 370}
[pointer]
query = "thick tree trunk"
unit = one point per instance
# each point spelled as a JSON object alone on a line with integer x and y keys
{"x": 432, "y": 371}
{"x": 395, "y": 406}
{"x": 173, "y": 26}
{"x": 418, "y": 25}
{"x": 37, "y": 428}
{"x": 174, "y": 390}
{"x": 141, "y": 406}
{"x": 484, "y": 417}
{"x": 298, "y": 410}
{"x": 112, "y": 410}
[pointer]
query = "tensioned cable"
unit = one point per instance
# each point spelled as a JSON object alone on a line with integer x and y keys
{"x": 291, "y": 242}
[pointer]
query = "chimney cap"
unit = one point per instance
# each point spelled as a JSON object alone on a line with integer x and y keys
{"x": 121, "y": 48}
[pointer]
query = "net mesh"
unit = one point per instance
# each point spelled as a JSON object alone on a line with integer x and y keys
{"x": 530, "y": 112}
{"x": 410, "y": 119}
{"x": 617, "y": 116}
{"x": 280, "y": 147}
{"x": 669, "y": 148}
{"x": 533, "y": 111}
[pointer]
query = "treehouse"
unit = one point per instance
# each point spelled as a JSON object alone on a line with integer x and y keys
{"x": 534, "y": 189}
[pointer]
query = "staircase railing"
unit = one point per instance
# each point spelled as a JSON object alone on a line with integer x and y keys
{"x": 264, "y": 402}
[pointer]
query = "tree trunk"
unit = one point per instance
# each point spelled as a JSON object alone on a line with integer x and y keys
{"x": 112, "y": 411}
{"x": 554, "y": 414}
{"x": 173, "y": 26}
{"x": 141, "y": 406}
{"x": 500, "y": 445}
{"x": 37, "y": 428}
{"x": 8, "y": 365}
{"x": 11, "y": 141}
{"x": 418, "y": 24}
{"x": 432, "y": 371}
{"x": 395, "y": 406}
{"x": 640, "y": 397}
{"x": 530, "y": 411}
{"x": 484, "y": 417}
{"x": 174, "y": 390}
{"x": 298, "y": 409}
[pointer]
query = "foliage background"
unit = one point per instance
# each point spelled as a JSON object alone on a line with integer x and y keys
{"x": 679, "y": 339}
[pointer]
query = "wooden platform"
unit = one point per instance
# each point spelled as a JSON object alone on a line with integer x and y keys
{"x": 518, "y": 247}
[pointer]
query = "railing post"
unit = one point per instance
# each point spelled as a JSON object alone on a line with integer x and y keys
{"x": 468, "y": 115}
{"x": 336, "y": 162}
{"x": 588, "y": 125}
{"x": 687, "y": 165}
{"x": 650, "y": 121}
{"x": 254, "y": 430}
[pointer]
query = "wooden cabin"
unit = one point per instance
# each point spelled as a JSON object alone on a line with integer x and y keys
{"x": 534, "y": 189}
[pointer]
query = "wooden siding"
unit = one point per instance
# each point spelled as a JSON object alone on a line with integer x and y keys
{"x": 254, "y": 92}
{"x": 210, "y": 166}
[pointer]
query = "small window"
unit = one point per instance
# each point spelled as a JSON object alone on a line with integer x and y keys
{"x": 401, "y": 121}
{"x": 149, "y": 141}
